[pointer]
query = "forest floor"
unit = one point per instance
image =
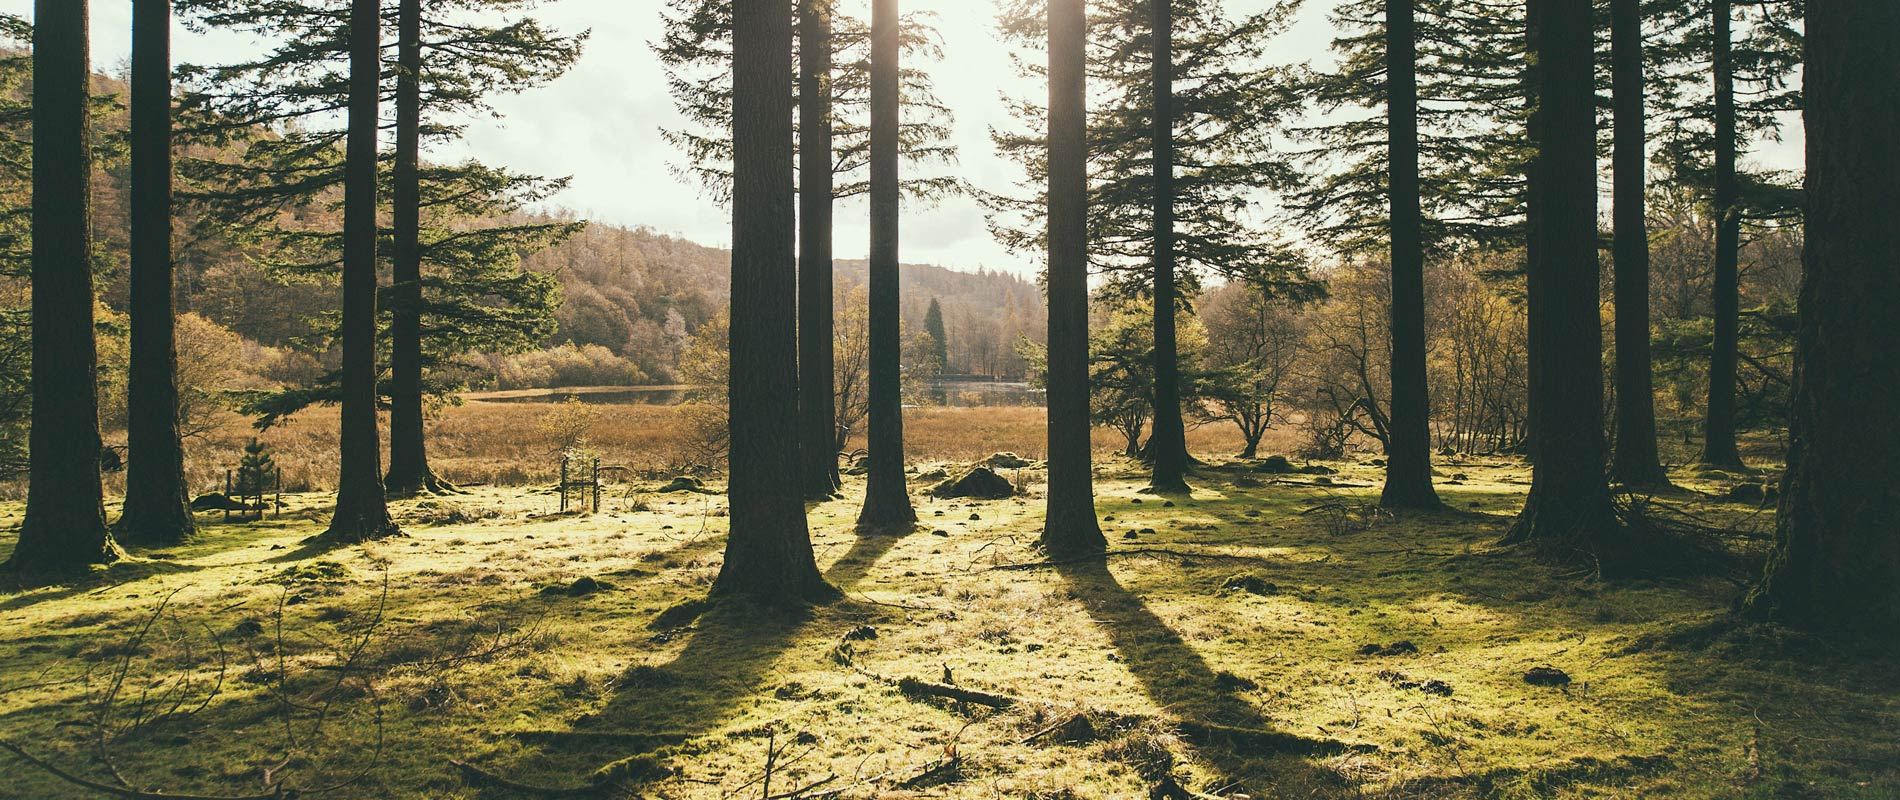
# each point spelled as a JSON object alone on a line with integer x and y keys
{"x": 1272, "y": 634}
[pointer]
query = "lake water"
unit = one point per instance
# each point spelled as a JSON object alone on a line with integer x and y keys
{"x": 952, "y": 392}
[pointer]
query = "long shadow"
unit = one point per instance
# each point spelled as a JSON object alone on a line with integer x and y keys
{"x": 1178, "y": 679}
{"x": 118, "y": 573}
{"x": 733, "y": 646}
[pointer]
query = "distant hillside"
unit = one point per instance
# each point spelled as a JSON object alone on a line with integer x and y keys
{"x": 640, "y": 293}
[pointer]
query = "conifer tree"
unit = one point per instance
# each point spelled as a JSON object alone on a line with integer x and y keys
{"x": 768, "y": 552}
{"x": 1069, "y": 522}
{"x": 156, "y": 509}
{"x": 64, "y": 529}
{"x": 886, "y": 495}
{"x": 1634, "y": 460}
{"x": 1408, "y": 472}
{"x": 470, "y": 291}
{"x": 1836, "y": 562}
{"x": 817, "y": 351}
{"x": 933, "y": 325}
{"x": 361, "y": 513}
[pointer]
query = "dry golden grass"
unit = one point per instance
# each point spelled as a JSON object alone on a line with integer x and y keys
{"x": 504, "y": 444}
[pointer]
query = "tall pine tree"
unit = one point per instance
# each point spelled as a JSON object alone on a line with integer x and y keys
{"x": 768, "y": 552}
{"x": 1836, "y": 562}
{"x": 1634, "y": 460}
{"x": 361, "y": 513}
{"x": 1568, "y": 512}
{"x": 1408, "y": 472}
{"x": 65, "y": 527}
{"x": 1069, "y": 522}
{"x": 817, "y": 390}
{"x": 886, "y": 494}
{"x": 155, "y": 510}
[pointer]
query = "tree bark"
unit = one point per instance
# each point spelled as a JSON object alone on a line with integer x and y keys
{"x": 1408, "y": 471}
{"x": 409, "y": 471}
{"x": 1635, "y": 461}
{"x": 65, "y": 525}
{"x": 157, "y": 506}
{"x": 886, "y": 496}
{"x": 768, "y": 552}
{"x": 1069, "y": 523}
{"x": 817, "y": 397}
{"x": 361, "y": 513}
{"x": 1167, "y": 443}
{"x": 1719, "y": 431}
{"x": 1836, "y": 561}
{"x": 1568, "y": 512}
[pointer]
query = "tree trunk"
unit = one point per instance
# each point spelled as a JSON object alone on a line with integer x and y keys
{"x": 1635, "y": 461}
{"x": 1069, "y": 523}
{"x": 1168, "y": 441}
{"x": 817, "y": 397}
{"x": 361, "y": 512}
{"x": 65, "y": 525}
{"x": 768, "y": 552}
{"x": 1836, "y": 561}
{"x": 1408, "y": 471}
{"x": 157, "y": 509}
{"x": 886, "y": 496}
{"x": 409, "y": 471}
{"x": 1719, "y": 432}
{"x": 1568, "y": 512}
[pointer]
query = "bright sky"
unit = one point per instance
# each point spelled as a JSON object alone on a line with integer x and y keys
{"x": 600, "y": 123}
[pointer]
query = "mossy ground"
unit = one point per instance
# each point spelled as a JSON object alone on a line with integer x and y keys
{"x": 486, "y": 651}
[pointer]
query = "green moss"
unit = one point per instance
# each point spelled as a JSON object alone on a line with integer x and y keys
{"x": 670, "y": 695}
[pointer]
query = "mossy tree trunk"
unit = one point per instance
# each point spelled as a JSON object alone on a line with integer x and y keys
{"x": 1568, "y": 512}
{"x": 1167, "y": 442}
{"x": 1719, "y": 447}
{"x": 817, "y": 396}
{"x": 1408, "y": 470}
{"x": 768, "y": 552}
{"x": 886, "y": 496}
{"x": 409, "y": 471}
{"x": 65, "y": 525}
{"x": 361, "y": 512}
{"x": 1635, "y": 461}
{"x": 1836, "y": 560}
{"x": 157, "y": 509}
{"x": 1069, "y": 523}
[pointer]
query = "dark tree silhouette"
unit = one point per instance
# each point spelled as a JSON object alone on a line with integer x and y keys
{"x": 409, "y": 471}
{"x": 361, "y": 512}
{"x": 886, "y": 495}
{"x": 817, "y": 397}
{"x": 156, "y": 509}
{"x": 1408, "y": 453}
{"x": 1836, "y": 560}
{"x": 65, "y": 525}
{"x": 1069, "y": 523}
{"x": 1568, "y": 512}
{"x": 1167, "y": 442}
{"x": 939, "y": 336}
{"x": 1635, "y": 461}
{"x": 768, "y": 552}
{"x": 1719, "y": 432}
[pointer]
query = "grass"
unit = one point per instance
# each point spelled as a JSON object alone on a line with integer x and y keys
{"x": 478, "y": 645}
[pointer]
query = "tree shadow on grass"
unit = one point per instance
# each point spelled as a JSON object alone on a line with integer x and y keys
{"x": 733, "y": 647}
{"x": 28, "y": 592}
{"x": 1179, "y": 680}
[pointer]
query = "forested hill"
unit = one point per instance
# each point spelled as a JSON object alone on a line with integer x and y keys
{"x": 639, "y": 293}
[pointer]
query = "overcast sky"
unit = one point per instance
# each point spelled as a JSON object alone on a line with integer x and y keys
{"x": 600, "y": 123}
